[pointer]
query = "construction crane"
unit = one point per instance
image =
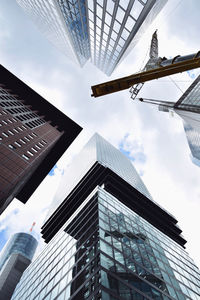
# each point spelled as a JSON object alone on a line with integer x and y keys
{"x": 155, "y": 68}
{"x": 31, "y": 229}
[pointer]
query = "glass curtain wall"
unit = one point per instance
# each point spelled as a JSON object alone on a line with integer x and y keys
{"x": 107, "y": 251}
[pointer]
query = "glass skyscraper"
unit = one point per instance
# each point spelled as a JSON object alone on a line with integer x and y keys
{"x": 100, "y": 30}
{"x": 14, "y": 259}
{"x": 22, "y": 243}
{"x": 188, "y": 108}
{"x": 107, "y": 239}
{"x": 193, "y": 138}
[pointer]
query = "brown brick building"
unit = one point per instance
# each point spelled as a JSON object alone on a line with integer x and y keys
{"x": 33, "y": 136}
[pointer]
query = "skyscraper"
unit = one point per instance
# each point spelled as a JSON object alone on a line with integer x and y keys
{"x": 14, "y": 259}
{"x": 107, "y": 239}
{"x": 33, "y": 136}
{"x": 103, "y": 31}
{"x": 193, "y": 138}
{"x": 188, "y": 108}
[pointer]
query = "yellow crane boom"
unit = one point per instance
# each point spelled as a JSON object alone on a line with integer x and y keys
{"x": 163, "y": 68}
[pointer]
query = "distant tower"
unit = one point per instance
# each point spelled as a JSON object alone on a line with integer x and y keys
{"x": 14, "y": 259}
{"x": 103, "y": 31}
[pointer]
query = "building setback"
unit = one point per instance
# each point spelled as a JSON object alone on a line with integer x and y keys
{"x": 102, "y": 31}
{"x": 14, "y": 259}
{"x": 33, "y": 136}
{"x": 107, "y": 238}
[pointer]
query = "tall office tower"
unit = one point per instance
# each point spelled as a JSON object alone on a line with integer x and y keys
{"x": 33, "y": 136}
{"x": 104, "y": 31}
{"x": 107, "y": 239}
{"x": 188, "y": 108}
{"x": 14, "y": 259}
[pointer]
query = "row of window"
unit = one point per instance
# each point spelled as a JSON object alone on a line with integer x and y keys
{"x": 22, "y": 111}
{"x": 18, "y": 110}
{"x": 19, "y": 129}
{"x": 30, "y": 153}
{"x": 8, "y": 121}
{"x": 11, "y": 102}
{"x": 3, "y": 112}
{"x": 22, "y": 141}
{"x": 35, "y": 123}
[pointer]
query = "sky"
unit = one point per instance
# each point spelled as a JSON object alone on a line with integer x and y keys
{"x": 154, "y": 141}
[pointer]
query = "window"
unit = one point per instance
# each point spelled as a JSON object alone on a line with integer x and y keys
{"x": 41, "y": 144}
{"x": 5, "y": 134}
{"x": 9, "y": 131}
{"x": 37, "y": 147}
{"x": 25, "y": 156}
{"x": 33, "y": 149}
{"x": 11, "y": 146}
{"x": 29, "y": 152}
{"x": 21, "y": 140}
{"x": 18, "y": 144}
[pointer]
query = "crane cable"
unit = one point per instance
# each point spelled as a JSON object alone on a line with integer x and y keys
{"x": 178, "y": 87}
{"x": 156, "y": 101}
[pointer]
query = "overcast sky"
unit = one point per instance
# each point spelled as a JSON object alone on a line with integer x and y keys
{"x": 153, "y": 140}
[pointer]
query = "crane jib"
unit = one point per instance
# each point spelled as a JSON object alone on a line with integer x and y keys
{"x": 167, "y": 67}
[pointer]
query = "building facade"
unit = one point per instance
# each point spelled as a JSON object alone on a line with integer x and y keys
{"x": 14, "y": 259}
{"x": 188, "y": 108}
{"x": 103, "y": 31}
{"x": 193, "y": 138}
{"x": 33, "y": 136}
{"x": 108, "y": 240}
